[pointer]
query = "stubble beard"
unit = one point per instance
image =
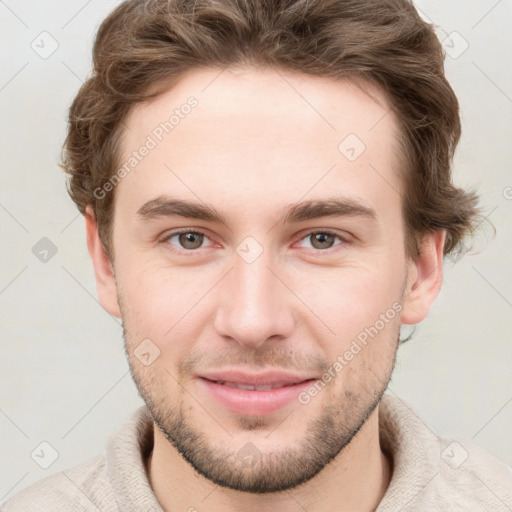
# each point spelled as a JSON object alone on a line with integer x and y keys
{"x": 326, "y": 435}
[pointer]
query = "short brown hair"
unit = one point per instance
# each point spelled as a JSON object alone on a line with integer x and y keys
{"x": 142, "y": 44}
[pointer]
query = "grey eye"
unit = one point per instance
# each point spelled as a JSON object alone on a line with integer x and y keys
{"x": 321, "y": 239}
{"x": 189, "y": 240}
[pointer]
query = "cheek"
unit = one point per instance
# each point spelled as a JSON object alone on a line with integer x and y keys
{"x": 152, "y": 286}
{"x": 163, "y": 303}
{"x": 168, "y": 303}
{"x": 351, "y": 296}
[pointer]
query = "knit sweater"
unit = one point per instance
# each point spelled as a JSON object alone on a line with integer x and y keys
{"x": 429, "y": 473}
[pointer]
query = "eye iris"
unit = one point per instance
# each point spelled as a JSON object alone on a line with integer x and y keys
{"x": 192, "y": 240}
{"x": 195, "y": 239}
{"x": 322, "y": 239}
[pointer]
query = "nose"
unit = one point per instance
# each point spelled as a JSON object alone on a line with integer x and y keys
{"x": 255, "y": 305}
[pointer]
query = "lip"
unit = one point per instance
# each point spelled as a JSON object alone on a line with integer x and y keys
{"x": 254, "y": 402}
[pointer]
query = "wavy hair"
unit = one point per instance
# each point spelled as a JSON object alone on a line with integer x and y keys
{"x": 143, "y": 47}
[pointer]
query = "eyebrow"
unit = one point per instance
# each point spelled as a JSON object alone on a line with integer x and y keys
{"x": 165, "y": 206}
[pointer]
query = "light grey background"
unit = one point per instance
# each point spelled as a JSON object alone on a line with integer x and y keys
{"x": 63, "y": 370}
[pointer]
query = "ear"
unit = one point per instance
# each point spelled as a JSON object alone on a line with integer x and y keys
{"x": 103, "y": 270}
{"x": 424, "y": 278}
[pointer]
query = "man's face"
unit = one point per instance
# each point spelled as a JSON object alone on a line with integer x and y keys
{"x": 252, "y": 293}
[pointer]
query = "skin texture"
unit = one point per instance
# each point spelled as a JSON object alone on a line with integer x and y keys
{"x": 257, "y": 142}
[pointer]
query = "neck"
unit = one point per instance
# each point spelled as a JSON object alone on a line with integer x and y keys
{"x": 355, "y": 480}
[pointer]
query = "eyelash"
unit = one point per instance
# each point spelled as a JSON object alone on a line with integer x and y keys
{"x": 344, "y": 241}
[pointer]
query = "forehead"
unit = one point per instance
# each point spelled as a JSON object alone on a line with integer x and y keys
{"x": 278, "y": 134}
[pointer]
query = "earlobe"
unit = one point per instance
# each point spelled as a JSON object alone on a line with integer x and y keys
{"x": 425, "y": 277}
{"x": 103, "y": 269}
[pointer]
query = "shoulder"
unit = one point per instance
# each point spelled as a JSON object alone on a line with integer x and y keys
{"x": 82, "y": 488}
{"x": 470, "y": 474}
{"x": 438, "y": 473}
